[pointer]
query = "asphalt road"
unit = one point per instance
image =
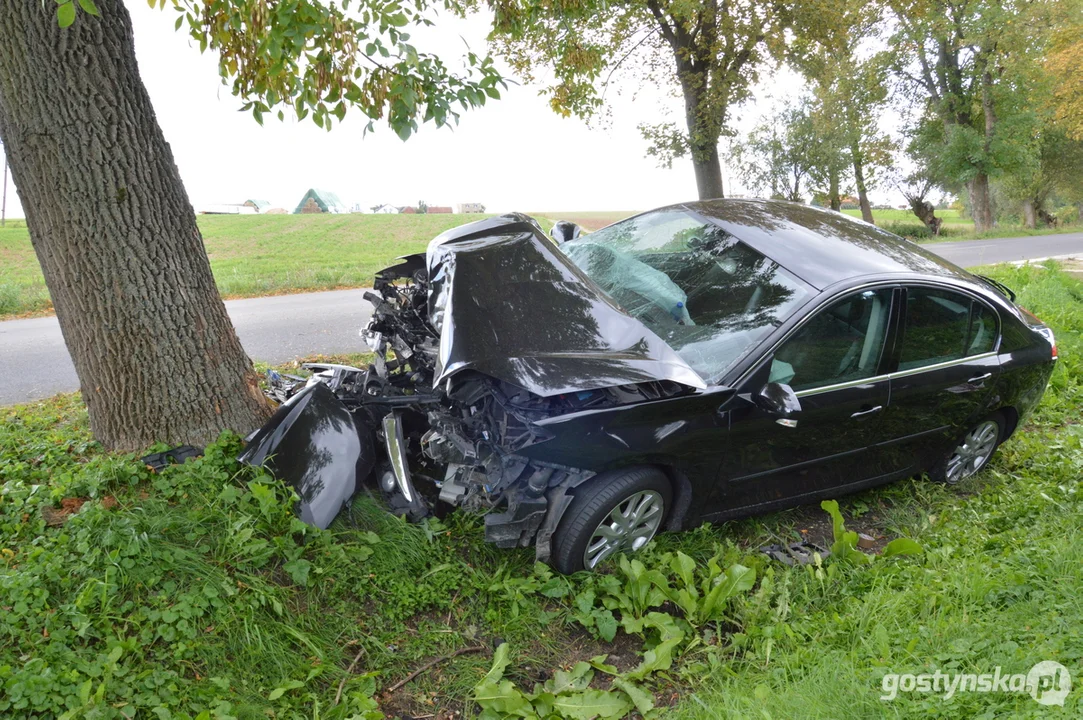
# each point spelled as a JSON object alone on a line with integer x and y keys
{"x": 34, "y": 362}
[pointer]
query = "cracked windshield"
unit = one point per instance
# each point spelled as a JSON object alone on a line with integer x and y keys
{"x": 707, "y": 294}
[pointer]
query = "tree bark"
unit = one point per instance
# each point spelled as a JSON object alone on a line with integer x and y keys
{"x": 1029, "y": 218}
{"x": 111, "y": 224}
{"x": 981, "y": 210}
{"x": 833, "y": 190}
{"x": 925, "y": 212}
{"x": 862, "y": 191}
{"x": 708, "y": 173}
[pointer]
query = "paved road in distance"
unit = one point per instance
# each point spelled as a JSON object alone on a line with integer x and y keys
{"x": 34, "y": 361}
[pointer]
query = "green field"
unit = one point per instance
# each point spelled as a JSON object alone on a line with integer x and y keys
{"x": 195, "y": 593}
{"x": 255, "y": 255}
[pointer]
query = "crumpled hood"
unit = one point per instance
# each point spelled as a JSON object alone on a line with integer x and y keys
{"x": 508, "y": 303}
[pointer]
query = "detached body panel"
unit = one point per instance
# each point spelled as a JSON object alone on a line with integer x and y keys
{"x": 313, "y": 443}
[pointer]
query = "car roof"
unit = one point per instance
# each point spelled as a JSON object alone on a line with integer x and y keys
{"x": 822, "y": 247}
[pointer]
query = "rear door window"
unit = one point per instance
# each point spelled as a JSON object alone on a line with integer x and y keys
{"x": 942, "y": 325}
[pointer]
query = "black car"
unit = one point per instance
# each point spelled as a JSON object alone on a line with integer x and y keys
{"x": 694, "y": 363}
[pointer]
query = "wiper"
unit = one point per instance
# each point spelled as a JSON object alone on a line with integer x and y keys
{"x": 999, "y": 286}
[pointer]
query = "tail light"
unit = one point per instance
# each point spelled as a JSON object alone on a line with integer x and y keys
{"x": 1041, "y": 328}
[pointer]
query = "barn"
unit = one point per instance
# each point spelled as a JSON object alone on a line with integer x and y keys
{"x": 319, "y": 201}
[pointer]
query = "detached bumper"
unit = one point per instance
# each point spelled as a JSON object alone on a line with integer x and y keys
{"x": 314, "y": 443}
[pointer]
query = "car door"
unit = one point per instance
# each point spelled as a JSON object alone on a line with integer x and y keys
{"x": 944, "y": 373}
{"x": 833, "y": 363}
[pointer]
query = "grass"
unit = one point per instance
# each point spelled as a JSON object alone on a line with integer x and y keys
{"x": 195, "y": 593}
{"x": 258, "y": 255}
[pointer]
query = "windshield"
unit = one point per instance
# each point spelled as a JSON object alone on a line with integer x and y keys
{"x": 707, "y": 294}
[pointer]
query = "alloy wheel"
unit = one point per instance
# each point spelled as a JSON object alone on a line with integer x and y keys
{"x": 627, "y": 528}
{"x": 973, "y": 452}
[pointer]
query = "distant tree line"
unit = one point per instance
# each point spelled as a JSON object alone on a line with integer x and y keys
{"x": 989, "y": 103}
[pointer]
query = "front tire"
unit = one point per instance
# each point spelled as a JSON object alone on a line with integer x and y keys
{"x": 610, "y": 515}
{"x": 972, "y": 453}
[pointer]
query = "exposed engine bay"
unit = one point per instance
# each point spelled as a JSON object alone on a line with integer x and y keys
{"x": 441, "y": 428}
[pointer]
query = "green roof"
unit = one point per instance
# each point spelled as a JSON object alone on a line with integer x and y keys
{"x": 259, "y": 204}
{"x": 326, "y": 200}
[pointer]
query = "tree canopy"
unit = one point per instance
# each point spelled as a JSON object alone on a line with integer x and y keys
{"x": 319, "y": 58}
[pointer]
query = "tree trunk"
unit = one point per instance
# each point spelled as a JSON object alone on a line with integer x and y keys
{"x": 833, "y": 190}
{"x": 981, "y": 210}
{"x": 708, "y": 173}
{"x": 925, "y": 212}
{"x": 862, "y": 192}
{"x": 110, "y": 221}
{"x": 702, "y": 143}
{"x": 1029, "y": 219}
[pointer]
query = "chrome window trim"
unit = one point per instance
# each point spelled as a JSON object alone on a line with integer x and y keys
{"x": 939, "y": 365}
{"x": 896, "y": 374}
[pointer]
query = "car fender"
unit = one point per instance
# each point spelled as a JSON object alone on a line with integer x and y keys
{"x": 314, "y": 443}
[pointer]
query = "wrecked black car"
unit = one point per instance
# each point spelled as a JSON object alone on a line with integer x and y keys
{"x": 694, "y": 363}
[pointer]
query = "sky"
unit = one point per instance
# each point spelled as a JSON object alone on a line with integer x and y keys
{"x": 511, "y": 154}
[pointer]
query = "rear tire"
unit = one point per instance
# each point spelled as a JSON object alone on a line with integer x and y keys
{"x": 973, "y": 451}
{"x": 609, "y": 515}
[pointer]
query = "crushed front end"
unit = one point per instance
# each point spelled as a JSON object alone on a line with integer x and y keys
{"x": 475, "y": 342}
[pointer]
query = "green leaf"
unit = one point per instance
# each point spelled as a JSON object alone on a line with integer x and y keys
{"x": 903, "y": 546}
{"x": 500, "y": 662}
{"x": 606, "y": 624}
{"x": 838, "y": 526}
{"x": 298, "y": 570}
{"x": 280, "y": 691}
{"x": 65, "y": 14}
{"x": 592, "y": 704}
{"x": 578, "y": 678}
{"x": 89, "y": 7}
{"x": 642, "y": 699}
{"x": 684, "y": 566}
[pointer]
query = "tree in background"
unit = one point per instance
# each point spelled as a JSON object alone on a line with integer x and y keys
{"x": 849, "y": 95}
{"x": 779, "y": 154}
{"x": 709, "y": 51}
{"x": 958, "y": 59}
{"x": 109, "y": 218}
{"x": 1063, "y": 62}
{"x": 916, "y": 189}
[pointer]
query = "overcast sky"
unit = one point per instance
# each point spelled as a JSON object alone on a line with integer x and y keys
{"x": 512, "y": 154}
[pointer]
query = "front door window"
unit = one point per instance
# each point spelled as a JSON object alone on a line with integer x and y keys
{"x": 840, "y": 344}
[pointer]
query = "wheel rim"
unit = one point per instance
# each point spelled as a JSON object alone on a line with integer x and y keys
{"x": 973, "y": 452}
{"x": 628, "y": 527}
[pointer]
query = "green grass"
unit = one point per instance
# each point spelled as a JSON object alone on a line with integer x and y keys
{"x": 255, "y": 255}
{"x": 196, "y": 591}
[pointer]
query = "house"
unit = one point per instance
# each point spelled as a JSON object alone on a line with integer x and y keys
{"x": 384, "y": 209}
{"x": 439, "y": 209}
{"x": 471, "y": 208}
{"x": 258, "y": 205}
{"x": 408, "y": 210}
{"x": 319, "y": 201}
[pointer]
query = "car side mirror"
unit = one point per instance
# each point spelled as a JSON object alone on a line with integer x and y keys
{"x": 777, "y": 399}
{"x": 563, "y": 231}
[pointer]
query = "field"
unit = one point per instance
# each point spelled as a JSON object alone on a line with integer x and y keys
{"x": 194, "y": 593}
{"x": 254, "y": 255}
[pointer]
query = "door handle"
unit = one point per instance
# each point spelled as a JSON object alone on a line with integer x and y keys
{"x": 870, "y": 411}
{"x": 978, "y": 380}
